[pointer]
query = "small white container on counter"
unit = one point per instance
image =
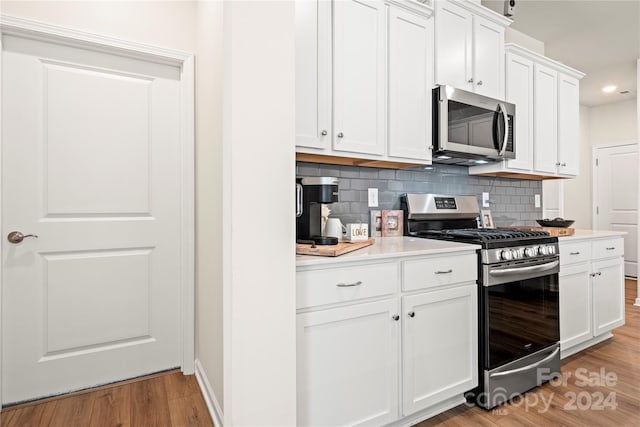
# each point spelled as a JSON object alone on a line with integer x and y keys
{"x": 357, "y": 232}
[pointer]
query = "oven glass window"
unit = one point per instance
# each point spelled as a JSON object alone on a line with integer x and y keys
{"x": 521, "y": 318}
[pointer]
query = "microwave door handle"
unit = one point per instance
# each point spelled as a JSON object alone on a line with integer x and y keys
{"x": 506, "y": 128}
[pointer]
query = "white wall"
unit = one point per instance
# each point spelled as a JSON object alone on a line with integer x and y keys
{"x": 602, "y": 125}
{"x": 258, "y": 210}
{"x": 168, "y": 24}
{"x": 209, "y": 295}
{"x": 524, "y": 40}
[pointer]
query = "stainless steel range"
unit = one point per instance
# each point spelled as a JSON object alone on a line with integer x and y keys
{"x": 518, "y": 321}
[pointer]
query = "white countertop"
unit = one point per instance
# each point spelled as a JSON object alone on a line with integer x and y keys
{"x": 389, "y": 247}
{"x": 591, "y": 234}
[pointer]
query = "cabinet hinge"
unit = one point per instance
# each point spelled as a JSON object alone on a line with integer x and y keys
{"x": 597, "y": 162}
{"x": 597, "y": 210}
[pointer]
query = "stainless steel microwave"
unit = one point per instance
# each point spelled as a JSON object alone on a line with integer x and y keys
{"x": 471, "y": 129}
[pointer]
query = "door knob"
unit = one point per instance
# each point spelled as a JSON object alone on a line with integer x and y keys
{"x": 17, "y": 237}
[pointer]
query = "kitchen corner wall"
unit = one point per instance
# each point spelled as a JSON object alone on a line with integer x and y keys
{"x": 512, "y": 200}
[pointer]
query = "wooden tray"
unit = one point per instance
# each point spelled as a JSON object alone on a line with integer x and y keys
{"x": 553, "y": 231}
{"x": 332, "y": 250}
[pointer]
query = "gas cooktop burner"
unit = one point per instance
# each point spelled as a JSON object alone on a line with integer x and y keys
{"x": 482, "y": 234}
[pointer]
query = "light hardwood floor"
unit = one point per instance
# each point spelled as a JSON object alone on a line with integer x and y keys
{"x": 584, "y": 399}
{"x": 164, "y": 400}
{"x": 173, "y": 399}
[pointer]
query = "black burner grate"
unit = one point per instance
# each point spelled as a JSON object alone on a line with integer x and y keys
{"x": 483, "y": 234}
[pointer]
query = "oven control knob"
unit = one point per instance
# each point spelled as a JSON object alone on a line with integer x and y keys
{"x": 552, "y": 250}
{"x": 544, "y": 250}
{"x": 518, "y": 253}
{"x": 533, "y": 251}
{"x": 507, "y": 255}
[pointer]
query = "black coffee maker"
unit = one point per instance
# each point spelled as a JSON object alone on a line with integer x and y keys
{"x": 311, "y": 193}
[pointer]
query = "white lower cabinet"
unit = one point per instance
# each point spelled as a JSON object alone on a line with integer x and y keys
{"x": 591, "y": 292}
{"x": 439, "y": 346}
{"x": 608, "y": 295}
{"x": 361, "y": 330}
{"x": 348, "y": 365}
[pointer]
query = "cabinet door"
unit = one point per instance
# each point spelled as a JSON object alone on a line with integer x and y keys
{"x": 347, "y": 365}
{"x": 313, "y": 74}
{"x": 410, "y": 81}
{"x": 488, "y": 58}
{"x": 519, "y": 91}
{"x": 608, "y": 295}
{"x": 568, "y": 124}
{"x": 440, "y": 346}
{"x": 545, "y": 119}
{"x": 359, "y": 76}
{"x": 454, "y": 44}
{"x": 575, "y": 305}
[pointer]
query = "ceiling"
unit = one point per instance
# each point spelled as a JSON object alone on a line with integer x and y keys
{"x": 598, "y": 37}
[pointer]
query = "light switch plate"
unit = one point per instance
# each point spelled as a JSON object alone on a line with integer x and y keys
{"x": 537, "y": 200}
{"x": 485, "y": 200}
{"x": 373, "y": 197}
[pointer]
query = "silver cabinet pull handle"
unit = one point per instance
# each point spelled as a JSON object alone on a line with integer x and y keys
{"x": 557, "y": 163}
{"x": 611, "y": 248}
{"x": 411, "y": 314}
{"x": 444, "y": 272}
{"x": 17, "y": 237}
{"x": 470, "y": 80}
{"x": 574, "y": 253}
{"x": 479, "y": 83}
{"x": 323, "y": 133}
{"x": 341, "y": 135}
{"x": 348, "y": 285}
{"x": 563, "y": 164}
{"x": 395, "y": 317}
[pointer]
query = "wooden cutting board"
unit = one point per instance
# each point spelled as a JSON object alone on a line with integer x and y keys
{"x": 553, "y": 231}
{"x": 332, "y": 250}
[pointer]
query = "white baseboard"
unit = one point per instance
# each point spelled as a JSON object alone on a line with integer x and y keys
{"x": 209, "y": 396}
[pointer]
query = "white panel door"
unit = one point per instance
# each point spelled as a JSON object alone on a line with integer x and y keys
{"x": 616, "y": 197}
{"x": 439, "y": 346}
{"x": 410, "y": 83}
{"x": 313, "y": 74}
{"x": 90, "y": 151}
{"x": 488, "y": 58}
{"x": 454, "y": 44}
{"x": 545, "y": 119}
{"x": 568, "y": 125}
{"x": 360, "y": 32}
{"x": 519, "y": 91}
{"x": 347, "y": 364}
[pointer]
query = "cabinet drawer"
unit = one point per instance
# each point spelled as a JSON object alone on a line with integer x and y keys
{"x": 439, "y": 271}
{"x": 329, "y": 286}
{"x": 573, "y": 253}
{"x": 607, "y": 248}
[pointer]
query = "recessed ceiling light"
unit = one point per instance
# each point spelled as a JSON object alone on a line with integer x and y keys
{"x": 609, "y": 89}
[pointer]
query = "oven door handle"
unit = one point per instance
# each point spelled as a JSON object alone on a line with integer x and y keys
{"x": 526, "y": 368}
{"x": 531, "y": 269}
{"x": 506, "y": 129}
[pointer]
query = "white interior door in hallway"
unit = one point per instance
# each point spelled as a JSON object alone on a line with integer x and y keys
{"x": 91, "y": 165}
{"x": 615, "y": 197}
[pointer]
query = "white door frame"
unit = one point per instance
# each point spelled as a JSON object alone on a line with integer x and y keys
{"x": 594, "y": 177}
{"x": 30, "y": 29}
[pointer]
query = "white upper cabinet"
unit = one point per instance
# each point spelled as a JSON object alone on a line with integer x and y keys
{"x": 313, "y": 74}
{"x": 359, "y": 76}
{"x": 568, "y": 125}
{"x": 545, "y": 101}
{"x": 488, "y": 58}
{"x": 519, "y": 91}
{"x": 470, "y": 47}
{"x": 410, "y": 82}
{"x": 546, "y": 94}
{"x": 364, "y": 73}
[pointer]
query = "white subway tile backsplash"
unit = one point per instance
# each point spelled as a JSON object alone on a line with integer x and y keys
{"x": 511, "y": 199}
